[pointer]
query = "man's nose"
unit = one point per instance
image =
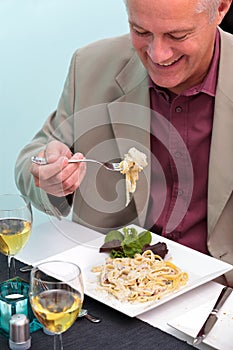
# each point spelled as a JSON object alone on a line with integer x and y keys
{"x": 159, "y": 50}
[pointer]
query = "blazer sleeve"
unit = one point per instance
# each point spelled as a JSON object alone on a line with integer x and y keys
{"x": 58, "y": 126}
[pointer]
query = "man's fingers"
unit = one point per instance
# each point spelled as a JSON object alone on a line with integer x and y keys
{"x": 55, "y": 149}
{"x": 49, "y": 170}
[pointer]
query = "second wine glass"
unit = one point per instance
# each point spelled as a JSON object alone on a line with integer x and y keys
{"x": 15, "y": 226}
{"x": 56, "y": 296}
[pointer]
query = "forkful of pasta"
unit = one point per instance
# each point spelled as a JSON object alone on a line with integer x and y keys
{"x": 134, "y": 161}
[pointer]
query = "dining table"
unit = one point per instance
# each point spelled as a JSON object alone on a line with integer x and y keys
{"x": 117, "y": 330}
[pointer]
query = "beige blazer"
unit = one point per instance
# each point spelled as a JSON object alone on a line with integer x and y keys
{"x": 103, "y": 111}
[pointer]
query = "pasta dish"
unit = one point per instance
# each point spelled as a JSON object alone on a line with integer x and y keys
{"x": 146, "y": 277}
{"x": 132, "y": 164}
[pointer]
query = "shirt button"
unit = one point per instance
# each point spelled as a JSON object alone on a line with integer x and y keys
{"x": 180, "y": 192}
{"x": 178, "y": 109}
{"x": 178, "y": 154}
{"x": 170, "y": 236}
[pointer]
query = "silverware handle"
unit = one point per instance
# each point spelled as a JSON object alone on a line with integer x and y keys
{"x": 42, "y": 161}
{"x": 83, "y": 160}
{"x": 26, "y": 268}
{"x": 92, "y": 318}
{"x": 225, "y": 293}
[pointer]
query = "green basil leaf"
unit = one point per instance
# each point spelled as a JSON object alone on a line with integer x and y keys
{"x": 145, "y": 238}
{"x": 116, "y": 254}
{"x": 113, "y": 235}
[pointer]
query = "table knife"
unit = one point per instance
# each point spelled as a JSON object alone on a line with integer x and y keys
{"x": 26, "y": 268}
{"x": 213, "y": 317}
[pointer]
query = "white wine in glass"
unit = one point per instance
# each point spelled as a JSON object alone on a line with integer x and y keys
{"x": 56, "y": 296}
{"x": 15, "y": 226}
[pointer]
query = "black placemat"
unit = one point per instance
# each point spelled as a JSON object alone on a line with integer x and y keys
{"x": 116, "y": 331}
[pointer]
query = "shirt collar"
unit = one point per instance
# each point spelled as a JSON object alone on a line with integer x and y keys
{"x": 209, "y": 84}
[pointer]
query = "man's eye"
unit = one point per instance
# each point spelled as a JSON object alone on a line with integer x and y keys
{"x": 178, "y": 38}
{"x": 140, "y": 33}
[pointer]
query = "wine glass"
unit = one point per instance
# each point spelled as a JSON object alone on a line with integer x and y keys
{"x": 56, "y": 296}
{"x": 15, "y": 226}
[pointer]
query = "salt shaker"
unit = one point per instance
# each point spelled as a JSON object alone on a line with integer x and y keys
{"x": 19, "y": 337}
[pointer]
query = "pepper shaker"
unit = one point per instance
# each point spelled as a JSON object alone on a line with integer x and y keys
{"x": 19, "y": 337}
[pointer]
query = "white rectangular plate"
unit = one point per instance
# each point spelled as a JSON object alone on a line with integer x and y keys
{"x": 201, "y": 268}
{"x": 221, "y": 335}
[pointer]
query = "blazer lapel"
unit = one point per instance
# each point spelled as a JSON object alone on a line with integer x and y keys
{"x": 221, "y": 156}
{"x": 221, "y": 161}
{"x": 130, "y": 118}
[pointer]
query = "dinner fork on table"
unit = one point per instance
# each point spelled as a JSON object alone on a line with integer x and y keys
{"x": 108, "y": 165}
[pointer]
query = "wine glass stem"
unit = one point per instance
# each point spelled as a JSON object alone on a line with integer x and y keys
{"x": 57, "y": 342}
{"x": 11, "y": 267}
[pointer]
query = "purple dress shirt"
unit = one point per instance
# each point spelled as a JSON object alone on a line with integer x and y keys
{"x": 187, "y": 124}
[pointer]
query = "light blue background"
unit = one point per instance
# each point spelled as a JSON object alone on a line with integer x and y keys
{"x": 38, "y": 38}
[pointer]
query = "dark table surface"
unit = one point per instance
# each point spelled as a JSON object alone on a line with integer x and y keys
{"x": 116, "y": 331}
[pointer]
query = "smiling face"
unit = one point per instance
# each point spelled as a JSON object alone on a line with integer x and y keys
{"x": 174, "y": 42}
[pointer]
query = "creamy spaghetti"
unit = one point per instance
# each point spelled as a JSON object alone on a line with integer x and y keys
{"x": 132, "y": 164}
{"x": 145, "y": 277}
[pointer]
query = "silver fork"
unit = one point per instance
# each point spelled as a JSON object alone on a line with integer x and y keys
{"x": 108, "y": 165}
{"x": 89, "y": 317}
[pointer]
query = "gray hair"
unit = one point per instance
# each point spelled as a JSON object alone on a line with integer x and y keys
{"x": 210, "y": 6}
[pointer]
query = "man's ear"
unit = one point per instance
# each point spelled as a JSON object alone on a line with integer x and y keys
{"x": 223, "y": 8}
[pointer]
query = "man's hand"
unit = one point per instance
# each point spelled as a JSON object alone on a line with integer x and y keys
{"x": 58, "y": 177}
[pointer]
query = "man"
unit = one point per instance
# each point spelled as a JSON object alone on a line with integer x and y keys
{"x": 168, "y": 92}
